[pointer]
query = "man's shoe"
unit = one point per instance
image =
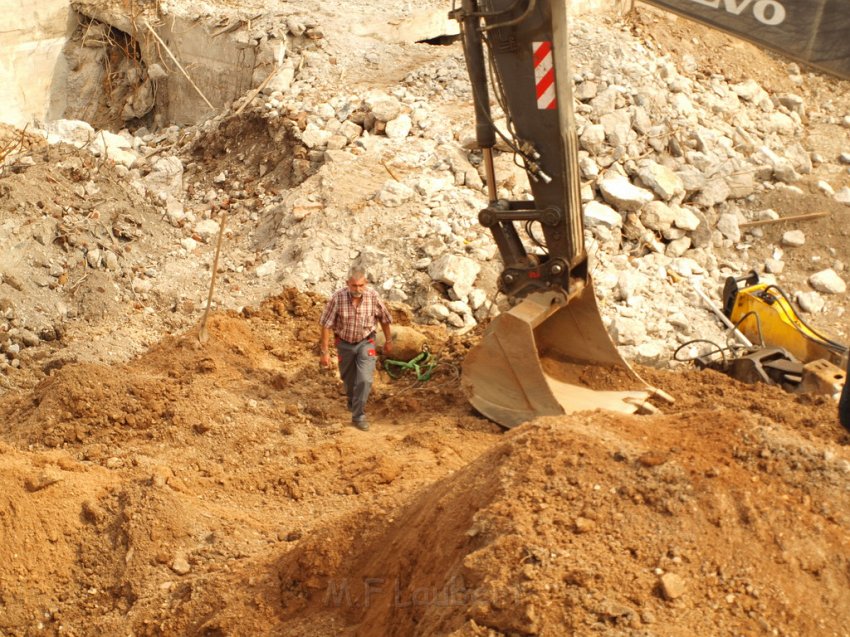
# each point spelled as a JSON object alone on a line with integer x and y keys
{"x": 362, "y": 425}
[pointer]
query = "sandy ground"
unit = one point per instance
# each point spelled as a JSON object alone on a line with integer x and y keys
{"x": 217, "y": 489}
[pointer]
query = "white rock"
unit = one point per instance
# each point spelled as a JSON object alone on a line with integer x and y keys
{"x": 810, "y": 302}
{"x": 663, "y": 181}
{"x": 826, "y": 188}
{"x": 334, "y": 156}
{"x": 598, "y": 214}
{"x": 589, "y": 168}
{"x": 399, "y": 128}
{"x": 650, "y": 353}
{"x": 618, "y": 127}
{"x": 281, "y": 82}
{"x": 93, "y": 257}
{"x": 386, "y": 109}
{"x": 843, "y": 196}
{"x": 593, "y": 139}
{"x": 657, "y": 215}
{"x": 315, "y": 137}
{"x": 394, "y": 194}
{"x": 266, "y": 269}
{"x": 686, "y": 267}
{"x": 477, "y": 298}
{"x": 453, "y": 269}
{"x": 618, "y": 191}
{"x": 793, "y": 238}
{"x": 350, "y": 130}
{"x": 72, "y": 131}
{"x": 628, "y": 282}
{"x": 678, "y": 247}
{"x": 188, "y": 244}
{"x": 459, "y": 307}
{"x": 774, "y": 266}
{"x": 627, "y": 331}
{"x": 747, "y": 90}
{"x": 729, "y": 226}
{"x": 174, "y": 211}
{"x": 110, "y": 260}
{"x": 455, "y": 320}
{"x": 428, "y": 186}
{"x": 104, "y": 140}
{"x": 713, "y": 192}
{"x": 166, "y": 176}
{"x": 141, "y": 286}
{"x": 337, "y": 142}
{"x": 685, "y": 218}
{"x": 436, "y": 311}
{"x": 207, "y": 229}
{"x": 180, "y": 565}
{"x": 828, "y": 281}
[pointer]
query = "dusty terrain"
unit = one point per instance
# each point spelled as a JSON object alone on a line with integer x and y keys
{"x": 152, "y": 485}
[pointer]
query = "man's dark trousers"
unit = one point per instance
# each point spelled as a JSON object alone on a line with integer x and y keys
{"x": 357, "y": 369}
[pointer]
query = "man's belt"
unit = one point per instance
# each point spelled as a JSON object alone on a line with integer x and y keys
{"x": 369, "y": 336}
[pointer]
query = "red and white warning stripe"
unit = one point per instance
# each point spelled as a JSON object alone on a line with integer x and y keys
{"x": 544, "y": 75}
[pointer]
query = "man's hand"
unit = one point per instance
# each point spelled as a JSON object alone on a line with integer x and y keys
{"x": 325, "y": 360}
{"x": 388, "y": 347}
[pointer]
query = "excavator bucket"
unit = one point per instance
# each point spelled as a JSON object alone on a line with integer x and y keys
{"x": 546, "y": 357}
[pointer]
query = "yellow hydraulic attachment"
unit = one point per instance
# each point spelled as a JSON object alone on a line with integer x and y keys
{"x": 763, "y": 314}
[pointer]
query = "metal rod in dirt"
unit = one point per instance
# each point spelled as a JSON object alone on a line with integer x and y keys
{"x": 723, "y": 318}
{"x": 202, "y": 331}
{"x": 766, "y": 222}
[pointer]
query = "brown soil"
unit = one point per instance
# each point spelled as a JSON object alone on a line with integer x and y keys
{"x": 217, "y": 489}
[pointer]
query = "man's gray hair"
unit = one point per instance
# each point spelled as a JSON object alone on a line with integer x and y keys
{"x": 357, "y": 272}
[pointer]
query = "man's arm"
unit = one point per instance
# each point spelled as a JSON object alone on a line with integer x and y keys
{"x": 385, "y": 319}
{"x": 324, "y": 347}
{"x": 388, "y": 337}
{"x": 326, "y": 321}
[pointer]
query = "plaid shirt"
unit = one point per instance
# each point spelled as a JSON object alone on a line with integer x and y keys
{"x": 354, "y": 324}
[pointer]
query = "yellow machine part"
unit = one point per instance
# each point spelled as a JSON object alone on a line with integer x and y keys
{"x": 547, "y": 357}
{"x": 767, "y": 319}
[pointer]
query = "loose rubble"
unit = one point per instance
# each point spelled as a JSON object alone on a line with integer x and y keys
{"x": 665, "y": 160}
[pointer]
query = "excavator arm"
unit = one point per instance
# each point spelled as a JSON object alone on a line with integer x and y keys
{"x": 517, "y": 41}
{"x": 550, "y": 354}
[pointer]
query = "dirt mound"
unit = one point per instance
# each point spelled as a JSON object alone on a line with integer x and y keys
{"x": 718, "y": 521}
{"x": 216, "y": 489}
{"x": 176, "y": 471}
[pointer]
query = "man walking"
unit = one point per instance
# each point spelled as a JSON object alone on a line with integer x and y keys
{"x": 350, "y": 315}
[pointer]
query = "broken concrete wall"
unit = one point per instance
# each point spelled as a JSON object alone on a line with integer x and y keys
{"x": 221, "y": 67}
{"x": 32, "y": 34}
